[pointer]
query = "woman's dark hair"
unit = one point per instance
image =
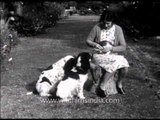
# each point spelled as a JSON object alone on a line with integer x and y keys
{"x": 108, "y": 15}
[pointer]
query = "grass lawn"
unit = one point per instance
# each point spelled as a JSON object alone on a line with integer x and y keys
{"x": 68, "y": 37}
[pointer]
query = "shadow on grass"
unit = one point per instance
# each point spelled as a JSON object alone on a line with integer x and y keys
{"x": 31, "y": 86}
{"x": 88, "y": 85}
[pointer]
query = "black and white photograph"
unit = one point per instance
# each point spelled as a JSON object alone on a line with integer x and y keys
{"x": 64, "y": 59}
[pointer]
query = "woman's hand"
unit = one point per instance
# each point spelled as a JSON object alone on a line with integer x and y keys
{"x": 102, "y": 49}
{"x": 107, "y": 49}
{"x": 98, "y": 46}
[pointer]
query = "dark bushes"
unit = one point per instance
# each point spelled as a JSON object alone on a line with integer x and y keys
{"x": 38, "y": 16}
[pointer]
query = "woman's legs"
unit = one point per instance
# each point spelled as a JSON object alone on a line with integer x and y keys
{"x": 106, "y": 76}
{"x": 93, "y": 68}
{"x": 122, "y": 75}
{"x": 102, "y": 82}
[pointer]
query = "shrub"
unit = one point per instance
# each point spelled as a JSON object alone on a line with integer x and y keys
{"x": 38, "y": 16}
{"x": 8, "y": 39}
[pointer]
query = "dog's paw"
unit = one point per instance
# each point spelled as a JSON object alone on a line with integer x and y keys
{"x": 64, "y": 100}
{"x": 45, "y": 94}
{"x": 121, "y": 91}
{"x": 81, "y": 97}
{"x": 29, "y": 93}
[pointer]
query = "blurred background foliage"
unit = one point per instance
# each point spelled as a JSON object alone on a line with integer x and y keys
{"x": 28, "y": 18}
{"x": 137, "y": 17}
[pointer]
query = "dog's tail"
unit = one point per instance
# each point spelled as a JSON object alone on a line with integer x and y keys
{"x": 32, "y": 92}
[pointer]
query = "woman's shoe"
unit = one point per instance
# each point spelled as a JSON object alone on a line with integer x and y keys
{"x": 121, "y": 90}
{"x": 100, "y": 92}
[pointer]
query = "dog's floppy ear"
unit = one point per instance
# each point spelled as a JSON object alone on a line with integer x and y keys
{"x": 83, "y": 61}
{"x": 69, "y": 65}
{"x": 84, "y": 54}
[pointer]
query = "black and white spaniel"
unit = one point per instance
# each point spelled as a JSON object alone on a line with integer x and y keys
{"x": 64, "y": 76}
{"x": 72, "y": 84}
{"x": 49, "y": 77}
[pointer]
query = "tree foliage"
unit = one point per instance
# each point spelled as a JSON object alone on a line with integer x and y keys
{"x": 38, "y": 16}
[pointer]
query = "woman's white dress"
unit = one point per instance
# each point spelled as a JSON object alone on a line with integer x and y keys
{"x": 110, "y": 61}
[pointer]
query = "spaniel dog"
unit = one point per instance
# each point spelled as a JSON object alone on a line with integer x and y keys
{"x": 49, "y": 77}
{"x": 72, "y": 84}
{"x": 64, "y": 76}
